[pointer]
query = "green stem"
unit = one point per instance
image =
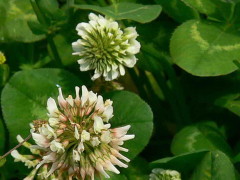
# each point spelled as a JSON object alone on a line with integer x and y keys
{"x": 54, "y": 51}
{"x": 115, "y": 5}
{"x": 169, "y": 96}
{"x": 70, "y": 3}
{"x": 179, "y": 105}
{"x": 138, "y": 84}
{"x": 237, "y": 63}
{"x": 153, "y": 96}
{"x": 42, "y": 19}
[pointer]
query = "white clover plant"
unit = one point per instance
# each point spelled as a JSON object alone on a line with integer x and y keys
{"x": 76, "y": 142}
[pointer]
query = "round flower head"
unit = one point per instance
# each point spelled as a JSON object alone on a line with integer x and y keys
{"x": 105, "y": 48}
{"x": 162, "y": 174}
{"x": 76, "y": 142}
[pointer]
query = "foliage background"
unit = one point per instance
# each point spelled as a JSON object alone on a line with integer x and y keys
{"x": 187, "y": 73}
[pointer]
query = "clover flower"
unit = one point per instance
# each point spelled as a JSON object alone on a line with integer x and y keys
{"x": 76, "y": 142}
{"x": 105, "y": 48}
{"x": 162, "y": 174}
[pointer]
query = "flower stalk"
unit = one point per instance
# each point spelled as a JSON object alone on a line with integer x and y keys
{"x": 19, "y": 145}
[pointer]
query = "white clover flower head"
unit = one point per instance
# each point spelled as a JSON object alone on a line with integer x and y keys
{"x": 164, "y": 174}
{"x": 76, "y": 141}
{"x": 105, "y": 48}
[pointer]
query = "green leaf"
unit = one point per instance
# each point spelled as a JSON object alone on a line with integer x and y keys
{"x": 130, "y": 109}
{"x": 25, "y": 96}
{"x": 136, "y": 12}
{"x": 113, "y": 176}
{"x": 178, "y": 10}
{"x": 2, "y": 137}
{"x": 215, "y": 9}
{"x": 137, "y": 170}
{"x": 2, "y": 161}
{"x": 183, "y": 163}
{"x": 232, "y": 105}
{"x": 205, "y": 49}
{"x": 37, "y": 28}
{"x": 216, "y": 91}
{"x": 49, "y": 8}
{"x": 13, "y": 20}
{"x": 214, "y": 166}
{"x": 236, "y": 159}
{"x": 203, "y": 136}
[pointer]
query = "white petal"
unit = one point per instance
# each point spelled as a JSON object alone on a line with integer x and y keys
{"x": 80, "y": 147}
{"x": 130, "y": 33}
{"x": 106, "y": 137}
{"x": 134, "y": 47}
{"x": 92, "y": 98}
{"x": 110, "y": 167}
{"x": 100, "y": 169}
{"x": 16, "y": 155}
{"x": 115, "y": 161}
{"x": 77, "y": 46}
{"x": 82, "y": 61}
{"x": 127, "y": 137}
{"x": 52, "y": 107}
{"x": 121, "y": 131}
{"x": 99, "y": 104}
{"x": 108, "y": 113}
{"x": 98, "y": 124}
{"x": 130, "y": 61}
{"x": 85, "y": 95}
{"x": 93, "y": 16}
{"x": 76, "y": 133}
{"x": 47, "y": 159}
{"x": 56, "y": 147}
{"x": 53, "y": 121}
{"x": 112, "y": 75}
{"x": 77, "y": 93}
{"x": 76, "y": 155}
{"x": 85, "y": 66}
{"x": 40, "y": 140}
{"x": 61, "y": 101}
{"x": 96, "y": 75}
{"x": 69, "y": 99}
{"x": 95, "y": 141}
{"x": 85, "y": 136}
{"x": 121, "y": 70}
{"x": 53, "y": 168}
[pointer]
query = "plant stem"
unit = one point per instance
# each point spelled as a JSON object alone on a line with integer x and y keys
{"x": 70, "y": 3}
{"x": 54, "y": 51}
{"x": 175, "y": 94}
{"x": 20, "y": 144}
{"x": 138, "y": 84}
{"x": 115, "y": 4}
{"x": 42, "y": 19}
